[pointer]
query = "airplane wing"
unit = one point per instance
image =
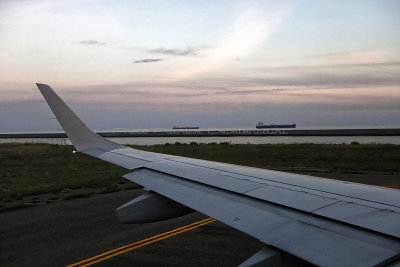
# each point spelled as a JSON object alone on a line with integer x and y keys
{"x": 324, "y": 222}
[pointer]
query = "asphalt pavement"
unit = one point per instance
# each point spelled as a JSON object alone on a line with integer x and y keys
{"x": 69, "y": 231}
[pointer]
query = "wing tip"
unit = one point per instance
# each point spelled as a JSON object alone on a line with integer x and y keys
{"x": 43, "y": 87}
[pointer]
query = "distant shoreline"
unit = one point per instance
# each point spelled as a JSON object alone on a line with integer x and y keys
{"x": 213, "y": 133}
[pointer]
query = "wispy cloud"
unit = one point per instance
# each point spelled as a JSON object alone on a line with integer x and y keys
{"x": 395, "y": 64}
{"x": 273, "y": 84}
{"x": 91, "y": 42}
{"x": 350, "y": 75}
{"x": 328, "y": 81}
{"x": 364, "y": 56}
{"x": 174, "y": 51}
{"x": 252, "y": 26}
{"x": 322, "y": 80}
{"x": 148, "y": 60}
{"x": 171, "y": 51}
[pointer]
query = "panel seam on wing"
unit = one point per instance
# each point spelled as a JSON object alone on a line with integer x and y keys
{"x": 327, "y": 205}
{"x": 129, "y": 156}
{"x": 285, "y": 183}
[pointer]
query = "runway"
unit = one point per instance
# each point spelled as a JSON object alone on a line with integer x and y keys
{"x": 85, "y": 231}
{"x": 112, "y": 253}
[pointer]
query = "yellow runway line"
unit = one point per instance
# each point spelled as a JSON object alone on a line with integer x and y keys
{"x": 141, "y": 243}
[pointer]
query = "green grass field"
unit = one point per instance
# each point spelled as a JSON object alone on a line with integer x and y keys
{"x": 382, "y": 158}
{"x": 37, "y": 169}
{"x": 27, "y": 169}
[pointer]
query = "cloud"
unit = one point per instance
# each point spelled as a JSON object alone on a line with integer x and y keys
{"x": 364, "y": 56}
{"x": 253, "y": 25}
{"x": 325, "y": 80}
{"x": 326, "y": 66}
{"x": 174, "y": 51}
{"x": 148, "y": 60}
{"x": 189, "y": 51}
{"x": 265, "y": 84}
{"x": 91, "y": 42}
{"x": 354, "y": 75}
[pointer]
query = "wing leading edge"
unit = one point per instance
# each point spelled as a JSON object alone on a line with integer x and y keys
{"x": 322, "y": 221}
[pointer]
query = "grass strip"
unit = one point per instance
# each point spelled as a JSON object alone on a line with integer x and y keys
{"x": 33, "y": 169}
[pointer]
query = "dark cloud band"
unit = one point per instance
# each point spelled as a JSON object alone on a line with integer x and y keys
{"x": 173, "y": 51}
{"x": 91, "y": 42}
{"x": 148, "y": 60}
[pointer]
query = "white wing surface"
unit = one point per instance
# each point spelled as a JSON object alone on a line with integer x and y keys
{"x": 324, "y": 222}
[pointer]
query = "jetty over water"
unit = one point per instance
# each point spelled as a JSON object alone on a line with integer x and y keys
{"x": 213, "y": 133}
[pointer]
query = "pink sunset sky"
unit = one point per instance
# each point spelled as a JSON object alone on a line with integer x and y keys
{"x": 153, "y": 64}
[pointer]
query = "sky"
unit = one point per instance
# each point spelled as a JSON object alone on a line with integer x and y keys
{"x": 214, "y": 64}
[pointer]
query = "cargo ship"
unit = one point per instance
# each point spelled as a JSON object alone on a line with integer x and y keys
{"x": 185, "y": 127}
{"x": 261, "y": 125}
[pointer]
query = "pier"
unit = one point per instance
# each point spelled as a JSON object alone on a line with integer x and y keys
{"x": 213, "y": 133}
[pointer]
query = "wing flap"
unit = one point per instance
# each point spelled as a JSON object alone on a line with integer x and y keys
{"x": 306, "y": 236}
{"x": 377, "y": 196}
{"x": 379, "y": 217}
{"x": 382, "y": 220}
{"x": 292, "y": 198}
{"x": 213, "y": 177}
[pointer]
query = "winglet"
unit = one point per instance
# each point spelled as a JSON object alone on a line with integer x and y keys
{"x": 80, "y": 135}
